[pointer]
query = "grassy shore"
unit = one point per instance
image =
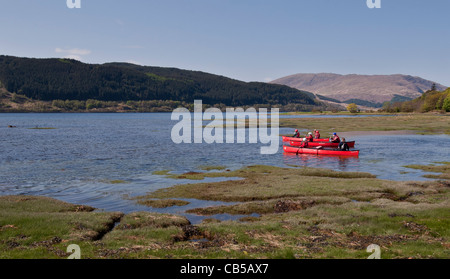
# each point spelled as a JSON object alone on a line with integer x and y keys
{"x": 419, "y": 123}
{"x": 297, "y": 213}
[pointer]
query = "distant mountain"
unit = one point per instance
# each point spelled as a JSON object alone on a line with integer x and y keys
{"x": 369, "y": 90}
{"x": 67, "y": 79}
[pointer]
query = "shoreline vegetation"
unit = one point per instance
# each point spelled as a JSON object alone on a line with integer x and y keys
{"x": 21, "y": 104}
{"x": 292, "y": 213}
{"x": 431, "y": 101}
{"x": 420, "y": 123}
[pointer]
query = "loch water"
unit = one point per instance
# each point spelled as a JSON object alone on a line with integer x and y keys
{"x": 103, "y": 160}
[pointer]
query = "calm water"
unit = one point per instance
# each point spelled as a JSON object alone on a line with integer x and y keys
{"x": 77, "y": 161}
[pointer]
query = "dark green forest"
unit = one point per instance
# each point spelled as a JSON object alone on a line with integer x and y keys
{"x": 67, "y": 79}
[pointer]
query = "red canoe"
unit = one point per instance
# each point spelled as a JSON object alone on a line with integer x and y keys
{"x": 301, "y": 139}
{"x": 316, "y": 151}
{"x": 350, "y": 144}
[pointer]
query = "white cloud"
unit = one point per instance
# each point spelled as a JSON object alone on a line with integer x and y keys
{"x": 134, "y": 62}
{"x": 73, "y": 53}
{"x": 71, "y": 56}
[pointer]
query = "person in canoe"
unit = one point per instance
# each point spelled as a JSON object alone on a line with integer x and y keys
{"x": 343, "y": 146}
{"x": 310, "y": 137}
{"x": 316, "y": 134}
{"x": 335, "y": 138}
{"x": 304, "y": 143}
{"x": 296, "y": 134}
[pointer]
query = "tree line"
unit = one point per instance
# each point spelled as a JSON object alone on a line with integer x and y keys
{"x": 432, "y": 100}
{"x": 67, "y": 79}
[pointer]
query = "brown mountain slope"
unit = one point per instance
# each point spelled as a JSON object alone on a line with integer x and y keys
{"x": 373, "y": 88}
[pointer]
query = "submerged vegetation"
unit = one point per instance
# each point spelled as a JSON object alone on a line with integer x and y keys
{"x": 292, "y": 213}
{"x": 42, "y": 128}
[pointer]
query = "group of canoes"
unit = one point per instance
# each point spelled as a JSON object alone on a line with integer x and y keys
{"x": 319, "y": 146}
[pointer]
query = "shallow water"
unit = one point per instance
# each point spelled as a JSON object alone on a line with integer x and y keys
{"x": 80, "y": 160}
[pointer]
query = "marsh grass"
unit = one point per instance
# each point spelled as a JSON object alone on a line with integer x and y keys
{"x": 210, "y": 168}
{"x": 302, "y": 213}
{"x": 420, "y": 123}
{"x": 349, "y": 211}
{"x": 440, "y": 167}
{"x": 161, "y": 172}
{"x": 164, "y": 203}
{"x": 264, "y": 183}
{"x": 188, "y": 175}
{"x": 37, "y": 227}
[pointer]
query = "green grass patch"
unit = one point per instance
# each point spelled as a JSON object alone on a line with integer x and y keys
{"x": 265, "y": 183}
{"x": 419, "y": 123}
{"x": 210, "y": 168}
{"x": 37, "y": 227}
{"x": 441, "y": 167}
{"x": 161, "y": 172}
{"x": 164, "y": 203}
{"x": 302, "y": 214}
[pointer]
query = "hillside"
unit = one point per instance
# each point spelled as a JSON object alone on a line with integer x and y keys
{"x": 365, "y": 90}
{"x": 66, "y": 79}
{"x": 429, "y": 101}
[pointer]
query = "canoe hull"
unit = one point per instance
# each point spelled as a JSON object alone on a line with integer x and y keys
{"x": 350, "y": 144}
{"x": 314, "y": 151}
{"x": 285, "y": 139}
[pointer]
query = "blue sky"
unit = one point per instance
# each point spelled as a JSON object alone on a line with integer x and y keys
{"x": 250, "y": 40}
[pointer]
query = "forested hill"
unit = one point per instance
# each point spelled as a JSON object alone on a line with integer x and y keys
{"x": 66, "y": 79}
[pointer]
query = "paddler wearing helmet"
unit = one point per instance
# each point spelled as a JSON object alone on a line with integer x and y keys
{"x": 335, "y": 138}
{"x": 310, "y": 137}
{"x": 304, "y": 143}
{"x": 297, "y": 134}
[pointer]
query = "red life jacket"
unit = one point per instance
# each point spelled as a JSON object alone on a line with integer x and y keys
{"x": 336, "y": 139}
{"x": 304, "y": 144}
{"x": 317, "y": 135}
{"x": 310, "y": 138}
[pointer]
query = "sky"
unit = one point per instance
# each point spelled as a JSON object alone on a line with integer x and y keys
{"x": 249, "y": 40}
